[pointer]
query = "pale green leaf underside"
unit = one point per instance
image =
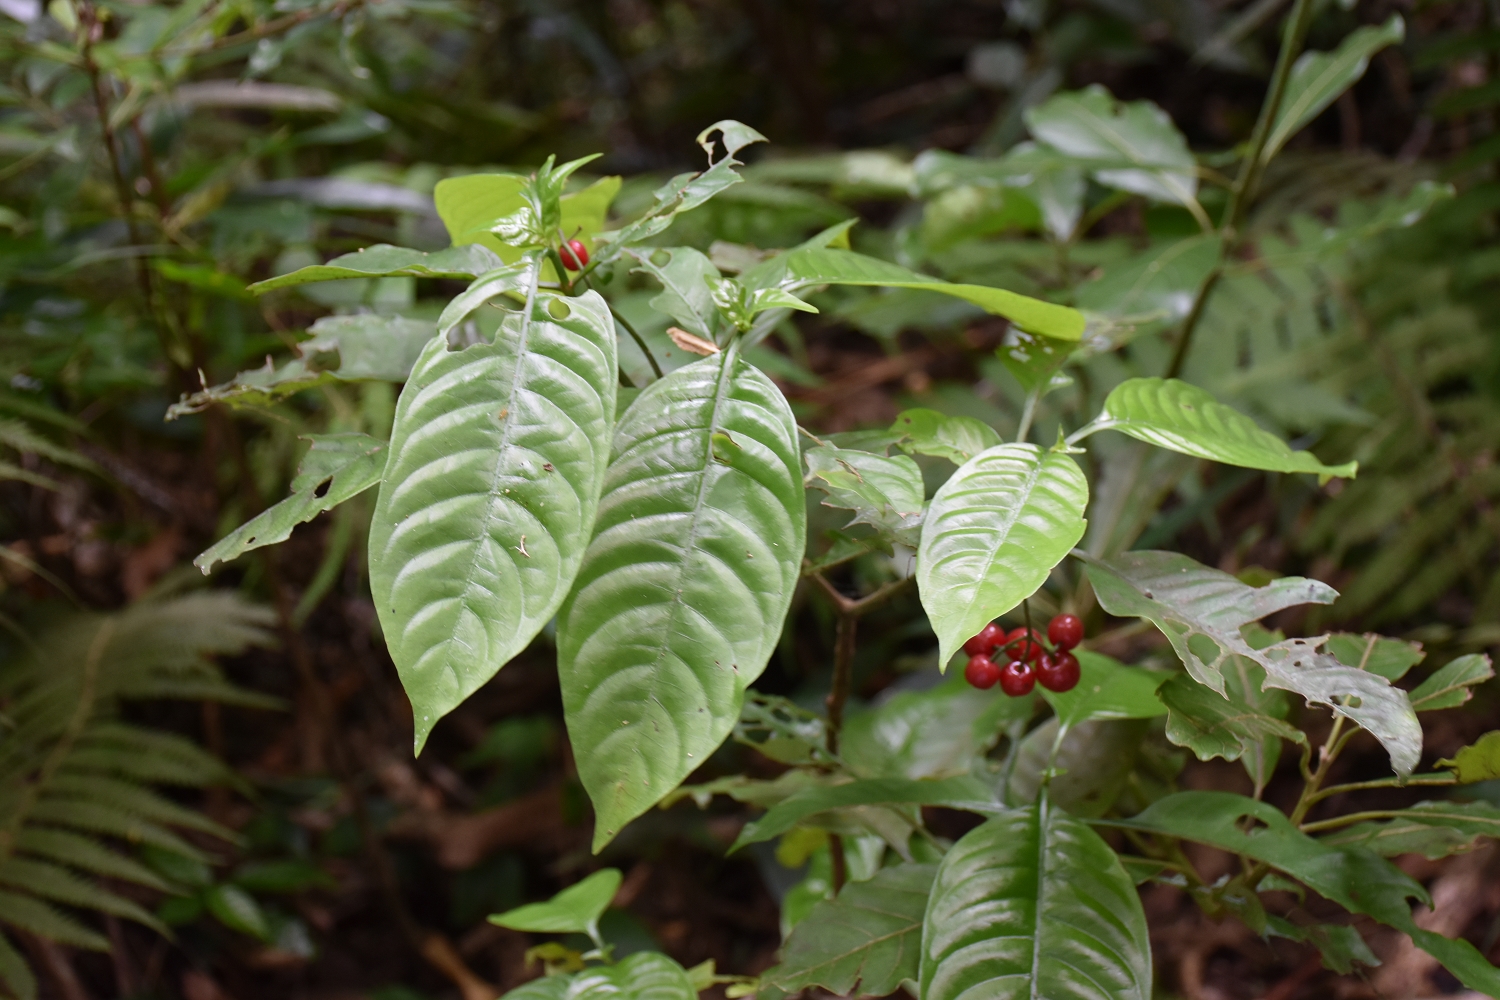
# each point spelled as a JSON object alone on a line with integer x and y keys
{"x": 1034, "y": 904}
{"x": 962, "y": 791}
{"x": 646, "y": 975}
{"x": 803, "y": 268}
{"x": 679, "y": 603}
{"x": 1181, "y": 417}
{"x": 1432, "y": 829}
{"x": 496, "y": 461}
{"x": 385, "y": 261}
{"x": 993, "y": 533}
{"x": 337, "y": 467}
{"x": 573, "y": 911}
{"x": 864, "y": 942}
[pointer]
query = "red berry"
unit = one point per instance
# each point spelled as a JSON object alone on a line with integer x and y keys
{"x": 1017, "y": 678}
{"x": 575, "y": 256}
{"x": 1021, "y": 648}
{"x": 982, "y": 672}
{"x": 1058, "y": 671}
{"x": 1065, "y": 631}
{"x": 989, "y": 637}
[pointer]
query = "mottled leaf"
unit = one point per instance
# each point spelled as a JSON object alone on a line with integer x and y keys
{"x": 928, "y": 432}
{"x": 385, "y": 261}
{"x": 1245, "y": 723}
{"x": 885, "y": 493}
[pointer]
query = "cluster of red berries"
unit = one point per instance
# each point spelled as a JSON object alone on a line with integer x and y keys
{"x": 1028, "y": 660}
{"x": 575, "y": 256}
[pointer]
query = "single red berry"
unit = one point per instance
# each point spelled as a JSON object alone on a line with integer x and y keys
{"x": 575, "y": 256}
{"x": 1065, "y": 631}
{"x": 1022, "y": 648}
{"x": 982, "y": 672}
{"x": 1058, "y": 671}
{"x": 989, "y": 637}
{"x": 1017, "y": 678}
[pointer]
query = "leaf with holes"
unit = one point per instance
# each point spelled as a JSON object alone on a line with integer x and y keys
{"x": 1201, "y": 611}
{"x": 335, "y": 468}
{"x": 1175, "y": 415}
{"x": 495, "y": 466}
{"x": 1246, "y": 723}
{"x": 695, "y": 555}
{"x": 1479, "y": 761}
{"x": 687, "y": 295}
{"x": 386, "y": 261}
{"x": 862, "y": 943}
{"x": 928, "y": 432}
{"x": 992, "y": 534}
{"x": 1431, "y": 829}
{"x": 1390, "y": 658}
{"x": 1033, "y": 903}
{"x": 885, "y": 493}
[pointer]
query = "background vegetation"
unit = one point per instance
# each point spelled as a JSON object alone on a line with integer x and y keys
{"x": 155, "y": 159}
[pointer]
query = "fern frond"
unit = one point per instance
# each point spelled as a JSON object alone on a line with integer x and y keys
{"x": 55, "y": 883}
{"x": 32, "y": 915}
{"x": 87, "y": 854}
{"x": 14, "y": 973}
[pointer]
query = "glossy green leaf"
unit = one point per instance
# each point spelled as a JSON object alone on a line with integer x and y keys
{"x": 237, "y": 909}
{"x": 646, "y": 975}
{"x": 1318, "y": 78}
{"x": 496, "y": 462}
{"x": 1089, "y": 766}
{"x": 1245, "y": 723}
{"x": 993, "y": 533}
{"x": 575, "y": 910}
{"x": 385, "y": 261}
{"x": 928, "y": 432}
{"x": 686, "y": 294}
{"x": 1202, "y": 610}
{"x": 1479, "y": 761}
{"x": 512, "y": 280}
{"x": 805, "y": 268}
{"x": 695, "y": 555}
{"x": 356, "y": 348}
{"x": 1107, "y": 689}
{"x": 1173, "y": 414}
{"x": 335, "y": 468}
{"x": 1356, "y": 879}
{"x": 864, "y": 942}
{"x": 1133, "y": 147}
{"x": 1450, "y": 686}
{"x": 1034, "y": 904}
{"x": 1390, "y": 658}
{"x": 1431, "y": 829}
{"x": 1033, "y": 360}
{"x": 471, "y": 205}
{"x": 885, "y": 493}
{"x": 959, "y": 792}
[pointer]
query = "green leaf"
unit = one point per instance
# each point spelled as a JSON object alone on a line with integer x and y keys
{"x": 865, "y": 942}
{"x": 496, "y": 462}
{"x": 1107, "y": 689}
{"x": 928, "y": 432}
{"x": 335, "y": 468}
{"x": 686, "y": 294}
{"x": 471, "y": 205}
{"x": 646, "y": 975}
{"x": 804, "y": 268}
{"x": 56, "y": 884}
{"x": 1091, "y": 764}
{"x": 358, "y": 348}
{"x": 992, "y": 535}
{"x": 1156, "y": 287}
{"x": 1390, "y": 658}
{"x": 1175, "y": 415}
{"x": 237, "y": 909}
{"x": 1432, "y": 829}
{"x": 885, "y": 493}
{"x": 1033, "y": 360}
{"x": 385, "y": 261}
{"x": 38, "y": 918}
{"x": 1340, "y": 946}
{"x": 575, "y": 910}
{"x": 1449, "y": 686}
{"x": 15, "y": 974}
{"x": 1133, "y": 147}
{"x": 1245, "y": 723}
{"x": 695, "y": 555}
{"x": 1318, "y": 78}
{"x": 1480, "y": 761}
{"x": 1034, "y": 904}
{"x": 1202, "y": 610}
{"x": 1356, "y": 879}
{"x": 85, "y": 853}
{"x": 962, "y": 792}
{"x": 512, "y": 279}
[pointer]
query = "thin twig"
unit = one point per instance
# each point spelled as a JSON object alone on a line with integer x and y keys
{"x": 639, "y": 342}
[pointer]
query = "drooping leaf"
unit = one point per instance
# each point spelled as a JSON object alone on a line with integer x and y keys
{"x": 928, "y": 432}
{"x": 1318, "y": 78}
{"x": 1107, "y": 689}
{"x": 804, "y": 268}
{"x": 1245, "y": 723}
{"x": 1201, "y": 611}
{"x": 512, "y": 280}
{"x": 1033, "y": 360}
{"x": 574, "y": 910}
{"x": 695, "y": 555}
{"x": 993, "y": 533}
{"x": 1032, "y": 904}
{"x": 1340, "y": 946}
{"x": 1173, "y": 414}
{"x": 885, "y": 493}
{"x": 1449, "y": 686}
{"x": 862, "y": 943}
{"x": 1432, "y": 829}
{"x": 358, "y": 348}
{"x": 385, "y": 261}
{"x": 1390, "y": 658}
{"x": 1356, "y": 879}
{"x": 1133, "y": 147}
{"x": 959, "y": 792}
{"x": 1090, "y": 764}
{"x": 335, "y": 468}
{"x": 1479, "y": 761}
{"x": 1154, "y": 288}
{"x": 496, "y": 461}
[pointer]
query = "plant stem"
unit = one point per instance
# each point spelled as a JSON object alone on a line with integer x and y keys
{"x": 1028, "y": 412}
{"x": 639, "y": 342}
{"x": 1348, "y": 819}
{"x": 1359, "y": 786}
{"x": 1251, "y": 169}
